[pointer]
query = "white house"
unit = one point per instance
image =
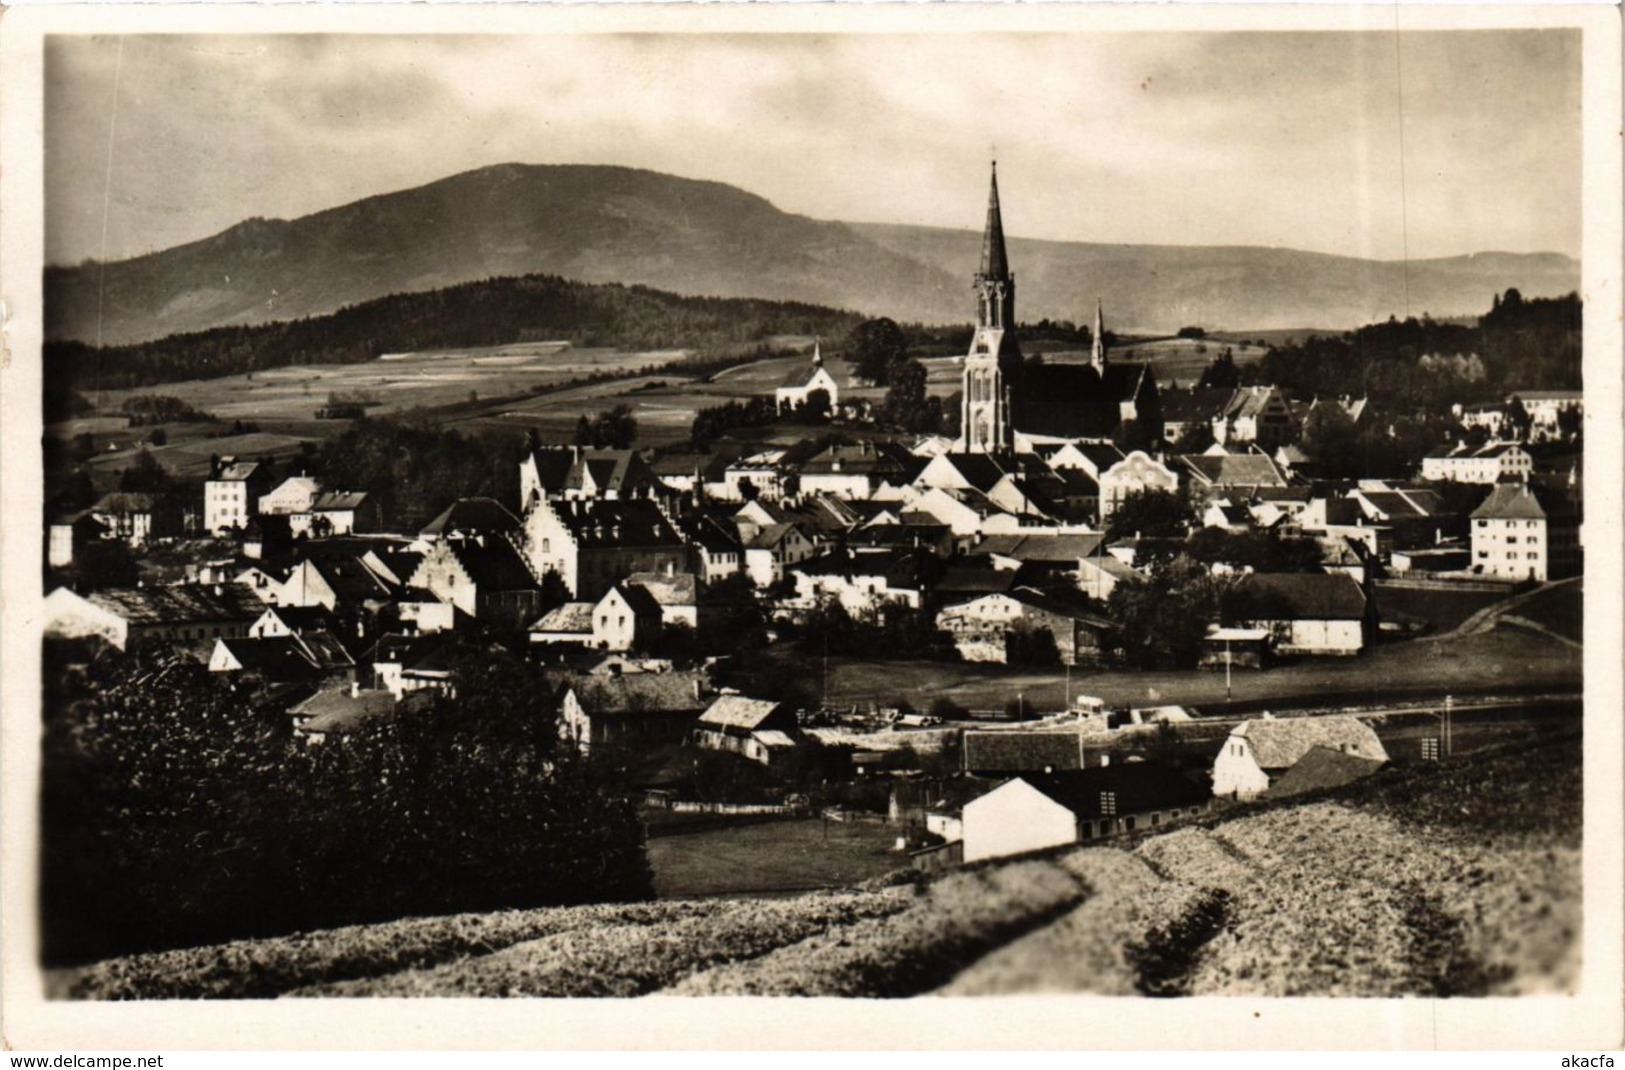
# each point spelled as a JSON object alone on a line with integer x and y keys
{"x": 1490, "y": 463}
{"x": 1137, "y": 471}
{"x": 1037, "y": 811}
{"x": 1515, "y": 536}
{"x": 1255, "y": 414}
{"x": 295, "y": 494}
{"x": 228, "y": 498}
{"x": 773, "y": 550}
{"x": 1259, "y": 752}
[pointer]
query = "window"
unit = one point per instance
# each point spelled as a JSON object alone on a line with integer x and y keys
{"x": 620, "y": 622}
{"x": 547, "y": 546}
{"x": 1108, "y": 803}
{"x": 1156, "y": 819}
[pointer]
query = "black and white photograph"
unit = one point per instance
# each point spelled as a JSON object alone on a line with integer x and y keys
{"x": 925, "y": 508}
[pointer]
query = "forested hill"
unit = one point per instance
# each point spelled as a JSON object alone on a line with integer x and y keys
{"x": 490, "y": 312}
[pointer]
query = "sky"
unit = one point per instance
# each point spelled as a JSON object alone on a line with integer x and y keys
{"x": 1376, "y": 145}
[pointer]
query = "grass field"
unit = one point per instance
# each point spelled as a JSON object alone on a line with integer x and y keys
{"x": 1443, "y": 610}
{"x": 771, "y": 856}
{"x": 1562, "y": 609}
{"x": 1470, "y": 664}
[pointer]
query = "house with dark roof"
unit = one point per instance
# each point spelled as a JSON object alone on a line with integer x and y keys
{"x": 677, "y": 594}
{"x": 311, "y": 657}
{"x": 468, "y": 518}
{"x": 990, "y": 752}
{"x": 574, "y": 473}
{"x": 1185, "y": 410}
{"x": 136, "y": 518}
{"x": 754, "y": 728}
{"x": 647, "y": 707}
{"x": 232, "y": 493}
{"x": 1306, "y": 613}
{"x": 404, "y": 664}
{"x": 594, "y": 543}
{"x": 689, "y": 473}
{"x": 69, "y": 534}
{"x": 863, "y": 579}
{"x": 1091, "y": 457}
{"x": 715, "y": 546}
{"x": 774, "y": 550}
{"x": 488, "y": 580}
{"x": 853, "y": 470}
{"x": 129, "y": 617}
{"x": 1255, "y": 414}
{"x": 1210, "y": 475}
{"x": 334, "y": 713}
{"x": 1258, "y": 753}
{"x": 337, "y": 512}
{"x": 1322, "y": 769}
{"x": 1034, "y": 811}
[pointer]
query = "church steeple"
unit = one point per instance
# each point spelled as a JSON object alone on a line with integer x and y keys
{"x": 995, "y": 285}
{"x": 1097, "y": 348}
{"x": 994, "y": 356}
{"x": 995, "y": 262}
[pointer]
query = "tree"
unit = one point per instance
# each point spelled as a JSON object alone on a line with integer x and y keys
{"x": 145, "y": 475}
{"x": 1196, "y": 437}
{"x": 1331, "y": 438}
{"x": 906, "y": 405}
{"x": 1570, "y": 421}
{"x": 1161, "y": 620}
{"x": 106, "y": 563}
{"x": 816, "y": 409}
{"x": 1150, "y": 512}
{"x": 873, "y": 347}
{"x": 1221, "y": 372}
{"x": 1515, "y": 417}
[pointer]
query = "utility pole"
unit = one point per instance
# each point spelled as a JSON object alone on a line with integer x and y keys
{"x": 1227, "y": 670}
{"x": 1448, "y": 703}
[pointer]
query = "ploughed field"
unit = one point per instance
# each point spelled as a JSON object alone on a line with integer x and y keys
{"x": 1460, "y": 881}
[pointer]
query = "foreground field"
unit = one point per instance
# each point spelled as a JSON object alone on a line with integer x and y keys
{"x": 770, "y": 856}
{"x": 1460, "y": 881}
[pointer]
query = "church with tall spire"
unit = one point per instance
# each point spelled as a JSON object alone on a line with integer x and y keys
{"x": 1012, "y": 404}
{"x": 995, "y": 355}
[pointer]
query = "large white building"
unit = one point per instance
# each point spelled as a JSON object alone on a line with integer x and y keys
{"x": 1516, "y": 537}
{"x": 1489, "y": 463}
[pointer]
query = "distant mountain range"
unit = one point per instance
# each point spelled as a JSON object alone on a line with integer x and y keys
{"x": 613, "y": 224}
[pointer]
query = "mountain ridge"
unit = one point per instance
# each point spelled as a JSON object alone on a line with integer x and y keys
{"x": 599, "y": 223}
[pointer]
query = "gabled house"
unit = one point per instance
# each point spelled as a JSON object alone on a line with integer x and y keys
{"x": 592, "y": 544}
{"x": 1255, "y": 414}
{"x": 1258, "y": 753}
{"x": 232, "y": 494}
{"x": 403, "y": 664}
{"x": 852, "y": 470}
{"x": 1307, "y": 613}
{"x": 625, "y": 618}
{"x": 136, "y": 518}
{"x": 576, "y": 474}
{"x": 470, "y": 518}
{"x": 716, "y": 548}
{"x": 285, "y": 659}
{"x": 1524, "y": 533}
{"x": 649, "y": 707}
{"x": 864, "y": 579}
{"x": 677, "y": 594}
{"x": 336, "y": 512}
{"x": 1211, "y": 475}
{"x": 773, "y": 550}
{"x": 1492, "y": 462}
{"x": 1137, "y": 472}
{"x": 70, "y": 534}
{"x": 293, "y": 495}
{"x": 753, "y": 728}
{"x": 488, "y": 581}
{"x": 334, "y": 713}
{"x": 1033, "y": 812}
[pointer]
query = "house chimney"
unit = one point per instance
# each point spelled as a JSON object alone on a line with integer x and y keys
{"x": 355, "y": 688}
{"x": 1105, "y": 760}
{"x": 697, "y": 688}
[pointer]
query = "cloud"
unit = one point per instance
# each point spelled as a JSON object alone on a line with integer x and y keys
{"x": 1242, "y": 138}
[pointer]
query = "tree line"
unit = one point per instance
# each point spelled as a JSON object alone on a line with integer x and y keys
{"x": 490, "y": 312}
